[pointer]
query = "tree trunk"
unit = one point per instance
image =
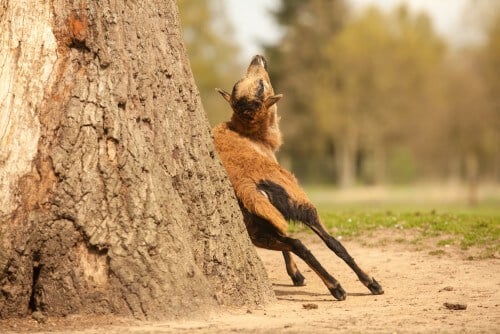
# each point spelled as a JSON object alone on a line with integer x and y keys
{"x": 112, "y": 199}
{"x": 472, "y": 174}
{"x": 347, "y": 161}
{"x": 379, "y": 164}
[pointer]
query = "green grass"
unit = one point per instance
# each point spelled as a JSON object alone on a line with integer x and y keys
{"x": 448, "y": 228}
{"x": 468, "y": 229}
{"x": 425, "y": 211}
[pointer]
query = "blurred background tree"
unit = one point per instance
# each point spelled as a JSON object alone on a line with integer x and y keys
{"x": 213, "y": 52}
{"x": 490, "y": 67}
{"x": 371, "y": 97}
{"x": 358, "y": 84}
{"x": 299, "y": 68}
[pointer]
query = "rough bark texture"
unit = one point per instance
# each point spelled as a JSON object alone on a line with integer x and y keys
{"x": 112, "y": 199}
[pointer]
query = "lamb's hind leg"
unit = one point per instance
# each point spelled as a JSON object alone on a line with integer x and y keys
{"x": 306, "y": 213}
{"x": 292, "y": 270}
{"x": 286, "y": 244}
{"x": 312, "y": 220}
{"x": 265, "y": 235}
{"x": 298, "y": 248}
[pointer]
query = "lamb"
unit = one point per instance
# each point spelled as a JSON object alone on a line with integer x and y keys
{"x": 270, "y": 196}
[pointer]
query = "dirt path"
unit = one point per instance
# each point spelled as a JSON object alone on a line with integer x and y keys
{"x": 416, "y": 287}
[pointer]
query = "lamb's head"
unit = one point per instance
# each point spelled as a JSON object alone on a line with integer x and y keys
{"x": 253, "y": 100}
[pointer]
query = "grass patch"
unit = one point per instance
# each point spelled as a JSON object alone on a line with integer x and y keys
{"x": 437, "y": 252}
{"x": 462, "y": 229}
{"x": 445, "y": 242}
{"x": 433, "y": 212}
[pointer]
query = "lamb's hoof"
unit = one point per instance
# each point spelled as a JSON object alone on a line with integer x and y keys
{"x": 298, "y": 279}
{"x": 338, "y": 292}
{"x": 375, "y": 287}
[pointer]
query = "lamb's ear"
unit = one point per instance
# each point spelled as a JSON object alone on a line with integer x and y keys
{"x": 224, "y": 94}
{"x": 272, "y": 100}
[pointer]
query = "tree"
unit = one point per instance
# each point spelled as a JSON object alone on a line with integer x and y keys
{"x": 491, "y": 72}
{"x": 354, "y": 86}
{"x": 385, "y": 67}
{"x": 298, "y": 70}
{"x": 208, "y": 35}
{"x": 465, "y": 129}
{"x": 113, "y": 200}
{"x": 468, "y": 138}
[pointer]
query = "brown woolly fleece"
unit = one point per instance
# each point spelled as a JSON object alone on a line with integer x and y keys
{"x": 269, "y": 195}
{"x": 249, "y": 162}
{"x": 248, "y": 142}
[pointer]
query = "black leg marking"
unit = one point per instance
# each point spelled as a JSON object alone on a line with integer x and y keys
{"x": 298, "y": 248}
{"x": 292, "y": 270}
{"x": 265, "y": 236}
{"x": 332, "y": 243}
{"x": 307, "y": 214}
{"x": 375, "y": 287}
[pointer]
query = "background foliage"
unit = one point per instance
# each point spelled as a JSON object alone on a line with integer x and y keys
{"x": 213, "y": 52}
{"x": 370, "y": 98}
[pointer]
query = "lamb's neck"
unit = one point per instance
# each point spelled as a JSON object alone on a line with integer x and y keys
{"x": 266, "y": 135}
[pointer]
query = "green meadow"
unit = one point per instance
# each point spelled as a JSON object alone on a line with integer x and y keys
{"x": 444, "y": 219}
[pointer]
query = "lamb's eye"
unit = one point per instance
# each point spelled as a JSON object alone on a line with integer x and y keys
{"x": 260, "y": 91}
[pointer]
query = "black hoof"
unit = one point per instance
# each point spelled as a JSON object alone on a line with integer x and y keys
{"x": 298, "y": 279}
{"x": 338, "y": 292}
{"x": 375, "y": 288}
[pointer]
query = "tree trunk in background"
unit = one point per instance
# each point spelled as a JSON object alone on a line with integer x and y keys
{"x": 379, "y": 164}
{"x": 347, "y": 161}
{"x": 472, "y": 174}
{"x": 112, "y": 199}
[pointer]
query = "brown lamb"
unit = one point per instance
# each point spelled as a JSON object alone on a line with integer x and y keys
{"x": 268, "y": 194}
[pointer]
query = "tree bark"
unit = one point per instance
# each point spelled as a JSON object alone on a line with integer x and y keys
{"x": 112, "y": 198}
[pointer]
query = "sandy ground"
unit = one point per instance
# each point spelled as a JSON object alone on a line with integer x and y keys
{"x": 416, "y": 287}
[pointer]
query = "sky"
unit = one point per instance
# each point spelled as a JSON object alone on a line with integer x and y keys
{"x": 253, "y": 24}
